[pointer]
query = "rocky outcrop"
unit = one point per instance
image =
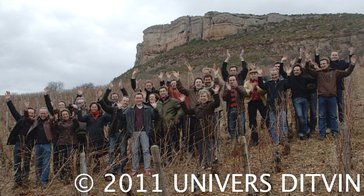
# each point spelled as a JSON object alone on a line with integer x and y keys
{"x": 212, "y": 26}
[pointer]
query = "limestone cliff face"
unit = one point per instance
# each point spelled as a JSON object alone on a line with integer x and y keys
{"x": 212, "y": 26}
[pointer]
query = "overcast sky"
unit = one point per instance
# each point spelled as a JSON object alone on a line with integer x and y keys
{"x": 81, "y": 41}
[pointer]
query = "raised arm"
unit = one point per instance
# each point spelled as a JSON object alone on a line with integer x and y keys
{"x": 180, "y": 87}
{"x": 133, "y": 79}
{"x": 48, "y": 102}
{"x": 224, "y": 72}
{"x": 11, "y": 107}
{"x": 347, "y": 72}
{"x": 244, "y": 71}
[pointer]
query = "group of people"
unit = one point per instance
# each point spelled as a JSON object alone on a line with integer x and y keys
{"x": 175, "y": 114}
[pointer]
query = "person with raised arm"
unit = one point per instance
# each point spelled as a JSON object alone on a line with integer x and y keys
{"x": 148, "y": 88}
{"x": 204, "y": 113}
{"x": 233, "y": 70}
{"x": 118, "y": 135}
{"x": 22, "y": 148}
{"x": 327, "y": 78}
{"x": 338, "y": 64}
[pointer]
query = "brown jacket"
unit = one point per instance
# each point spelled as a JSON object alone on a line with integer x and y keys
{"x": 47, "y": 129}
{"x": 326, "y": 80}
{"x": 240, "y": 95}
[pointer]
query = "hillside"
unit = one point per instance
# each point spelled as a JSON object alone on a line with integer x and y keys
{"x": 263, "y": 43}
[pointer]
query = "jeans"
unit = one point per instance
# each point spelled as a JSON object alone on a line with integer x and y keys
{"x": 65, "y": 152}
{"x": 340, "y": 103}
{"x": 233, "y": 116}
{"x": 21, "y": 153}
{"x": 281, "y": 125}
{"x": 42, "y": 162}
{"x": 313, "y": 111}
{"x": 205, "y": 151}
{"x": 140, "y": 137}
{"x": 301, "y": 108}
{"x": 118, "y": 141}
{"x": 327, "y": 111}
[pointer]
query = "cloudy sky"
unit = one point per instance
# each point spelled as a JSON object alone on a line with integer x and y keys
{"x": 81, "y": 41}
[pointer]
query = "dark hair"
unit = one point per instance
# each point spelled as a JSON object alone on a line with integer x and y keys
{"x": 138, "y": 93}
{"x": 98, "y": 106}
{"x": 232, "y": 76}
{"x": 208, "y": 76}
{"x": 162, "y": 88}
{"x": 194, "y": 82}
{"x": 233, "y": 66}
{"x": 62, "y": 102}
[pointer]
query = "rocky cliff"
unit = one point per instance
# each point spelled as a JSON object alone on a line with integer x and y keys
{"x": 159, "y": 39}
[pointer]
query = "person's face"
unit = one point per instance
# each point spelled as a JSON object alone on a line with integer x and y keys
{"x": 65, "y": 115}
{"x": 274, "y": 75}
{"x": 233, "y": 71}
{"x": 125, "y": 102}
{"x": 31, "y": 113}
{"x": 334, "y": 56}
{"x": 114, "y": 97}
{"x": 43, "y": 113}
{"x": 174, "y": 84}
{"x": 94, "y": 108}
{"x": 324, "y": 64}
{"x": 149, "y": 86}
{"x": 138, "y": 99}
{"x": 205, "y": 71}
{"x": 80, "y": 101}
{"x": 297, "y": 71}
{"x": 163, "y": 92}
{"x": 232, "y": 81}
{"x": 277, "y": 65}
{"x": 152, "y": 98}
{"x": 208, "y": 81}
{"x": 61, "y": 105}
{"x": 198, "y": 84}
{"x": 203, "y": 97}
{"x": 254, "y": 76}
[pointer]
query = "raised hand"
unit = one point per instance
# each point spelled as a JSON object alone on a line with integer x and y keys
{"x": 242, "y": 55}
{"x": 7, "y": 95}
{"x": 260, "y": 72}
{"x": 46, "y": 91}
{"x": 175, "y": 74}
{"x": 99, "y": 93}
{"x": 302, "y": 52}
{"x": 216, "y": 89}
{"x": 26, "y": 103}
{"x": 111, "y": 85}
{"x": 168, "y": 74}
{"x": 182, "y": 97}
{"x": 292, "y": 62}
{"x": 160, "y": 76}
{"x": 135, "y": 72}
{"x": 154, "y": 104}
{"x": 189, "y": 67}
{"x": 351, "y": 50}
{"x": 353, "y": 59}
{"x": 317, "y": 51}
{"x": 121, "y": 86}
{"x": 227, "y": 85}
{"x": 80, "y": 92}
{"x": 308, "y": 57}
{"x": 215, "y": 69}
{"x": 283, "y": 59}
